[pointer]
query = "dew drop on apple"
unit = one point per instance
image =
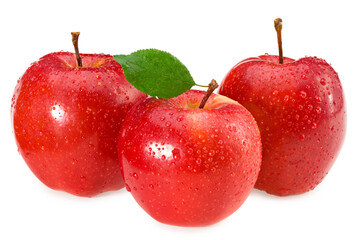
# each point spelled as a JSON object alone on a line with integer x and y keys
{"x": 323, "y": 81}
{"x": 286, "y": 98}
{"x": 302, "y": 137}
{"x": 302, "y": 94}
{"x": 135, "y": 175}
{"x": 127, "y": 187}
{"x": 176, "y": 154}
{"x": 318, "y": 110}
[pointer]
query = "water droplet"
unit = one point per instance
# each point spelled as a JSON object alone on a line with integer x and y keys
{"x": 180, "y": 118}
{"x": 304, "y": 76}
{"x": 286, "y": 98}
{"x": 302, "y": 137}
{"x": 167, "y": 124}
{"x": 310, "y": 107}
{"x": 163, "y": 157}
{"x": 318, "y": 99}
{"x": 127, "y": 187}
{"x": 135, "y": 175}
{"x": 300, "y": 107}
{"x": 151, "y": 186}
{"x": 176, "y": 154}
{"x": 318, "y": 110}
{"x": 275, "y": 93}
{"x": 302, "y": 94}
{"x": 323, "y": 81}
{"x": 313, "y": 126}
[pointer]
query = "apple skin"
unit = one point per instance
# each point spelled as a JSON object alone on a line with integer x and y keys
{"x": 187, "y": 166}
{"x": 300, "y": 109}
{"x": 66, "y": 120}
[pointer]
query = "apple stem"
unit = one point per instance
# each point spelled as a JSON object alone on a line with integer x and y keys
{"x": 278, "y": 27}
{"x": 75, "y": 41}
{"x": 212, "y": 86}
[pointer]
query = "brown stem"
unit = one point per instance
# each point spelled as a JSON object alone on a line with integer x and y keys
{"x": 75, "y": 41}
{"x": 278, "y": 27}
{"x": 212, "y": 86}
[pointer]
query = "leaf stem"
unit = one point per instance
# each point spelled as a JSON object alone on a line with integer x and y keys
{"x": 200, "y": 85}
{"x": 75, "y": 41}
{"x": 212, "y": 86}
{"x": 278, "y": 27}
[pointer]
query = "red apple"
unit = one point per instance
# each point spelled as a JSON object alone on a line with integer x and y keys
{"x": 188, "y": 166}
{"x": 67, "y": 118}
{"x": 300, "y": 109}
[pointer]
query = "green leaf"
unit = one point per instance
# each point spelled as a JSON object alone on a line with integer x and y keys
{"x": 156, "y": 73}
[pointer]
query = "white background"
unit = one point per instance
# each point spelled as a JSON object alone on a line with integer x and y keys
{"x": 209, "y": 37}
